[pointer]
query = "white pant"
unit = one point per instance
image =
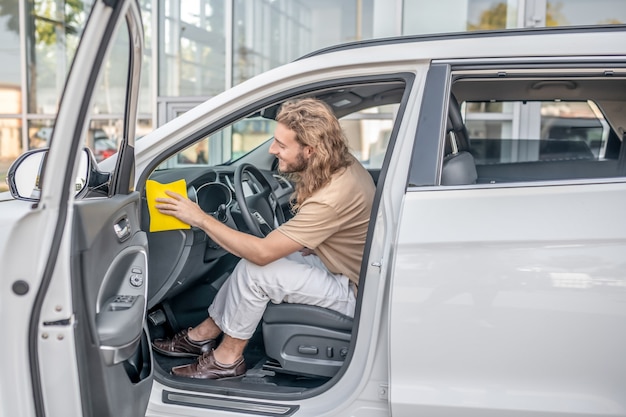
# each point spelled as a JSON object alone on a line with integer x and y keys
{"x": 239, "y": 304}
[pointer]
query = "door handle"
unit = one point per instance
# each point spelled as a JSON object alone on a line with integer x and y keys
{"x": 122, "y": 229}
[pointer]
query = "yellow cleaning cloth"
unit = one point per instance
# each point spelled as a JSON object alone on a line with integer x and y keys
{"x": 159, "y": 221}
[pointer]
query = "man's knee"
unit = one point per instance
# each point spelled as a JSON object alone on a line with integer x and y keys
{"x": 250, "y": 273}
{"x": 245, "y": 267}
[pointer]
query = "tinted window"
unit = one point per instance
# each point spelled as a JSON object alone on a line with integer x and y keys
{"x": 537, "y": 129}
{"x": 565, "y": 131}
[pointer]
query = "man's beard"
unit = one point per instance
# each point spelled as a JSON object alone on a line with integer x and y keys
{"x": 298, "y": 166}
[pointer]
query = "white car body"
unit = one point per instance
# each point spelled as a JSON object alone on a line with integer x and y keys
{"x": 492, "y": 298}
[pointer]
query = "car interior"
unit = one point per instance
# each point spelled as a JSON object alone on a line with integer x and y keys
{"x": 578, "y": 133}
{"x": 296, "y": 347}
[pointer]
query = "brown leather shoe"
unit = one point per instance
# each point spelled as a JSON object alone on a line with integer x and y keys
{"x": 182, "y": 346}
{"x": 206, "y": 367}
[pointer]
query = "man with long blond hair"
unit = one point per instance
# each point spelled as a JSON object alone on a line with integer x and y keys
{"x": 313, "y": 258}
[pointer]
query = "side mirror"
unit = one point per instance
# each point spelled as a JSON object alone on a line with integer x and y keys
{"x": 24, "y": 174}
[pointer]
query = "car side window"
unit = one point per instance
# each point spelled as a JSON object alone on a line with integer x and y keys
{"x": 537, "y": 129}
{"x": 567, "y": 130}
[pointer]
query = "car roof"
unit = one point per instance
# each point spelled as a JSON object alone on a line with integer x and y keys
{"x": 503, "y": 34}
{"x": 551, "y": 41}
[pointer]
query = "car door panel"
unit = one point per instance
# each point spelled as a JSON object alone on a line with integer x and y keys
{"x": 526, "y": 273}
{"x": 111, "y": 286}
{"x": 114, "y": 267}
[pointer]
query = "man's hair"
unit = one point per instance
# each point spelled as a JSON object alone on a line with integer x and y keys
{"x": 316, "y": 126}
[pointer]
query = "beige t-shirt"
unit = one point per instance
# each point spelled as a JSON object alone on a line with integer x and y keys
{"x": 333, "y": 221}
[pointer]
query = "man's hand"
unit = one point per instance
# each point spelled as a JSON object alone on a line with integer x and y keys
{"x": 182, "y": 208}
{"x": 260, "y": 251}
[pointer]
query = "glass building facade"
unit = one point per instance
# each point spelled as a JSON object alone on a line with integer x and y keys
{"x": 196, "y": 49}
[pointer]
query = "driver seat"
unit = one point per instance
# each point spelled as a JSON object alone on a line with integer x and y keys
{"x": 306, "y": 339}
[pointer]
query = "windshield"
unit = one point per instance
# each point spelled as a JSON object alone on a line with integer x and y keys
{"x": 226, "y": 145}
{"x": 367, "y": 130}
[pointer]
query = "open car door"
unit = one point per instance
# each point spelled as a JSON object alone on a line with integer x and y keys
{"x": 85, "y": 281}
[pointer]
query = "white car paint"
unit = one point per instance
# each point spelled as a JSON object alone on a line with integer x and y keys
{"x": 463, "y": 345}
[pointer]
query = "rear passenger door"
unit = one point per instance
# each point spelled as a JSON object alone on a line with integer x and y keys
{"x": 509, "y": 287}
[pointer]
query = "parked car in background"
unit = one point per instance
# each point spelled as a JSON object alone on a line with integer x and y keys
{"x": 100, "y": 143}
{"x": 494, "y": 275}
{"x": 41, "y": 137}
{"x": 103, "y": 148}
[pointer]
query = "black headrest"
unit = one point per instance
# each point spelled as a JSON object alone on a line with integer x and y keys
{"x": 459, "y": 169}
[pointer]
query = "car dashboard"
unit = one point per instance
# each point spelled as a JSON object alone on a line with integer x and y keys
{"x": 179, "y": 258}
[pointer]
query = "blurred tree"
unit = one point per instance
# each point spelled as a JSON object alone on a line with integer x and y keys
{"x": 495, "y": 17}
{"x": 56, "y": 17}
{"x": 48, "y": 15}
{"x": 52, "y": 29}
{"x": 554, "y": 16}
{"x": 490, "y": 19}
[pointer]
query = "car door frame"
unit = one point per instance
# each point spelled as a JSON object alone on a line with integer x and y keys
{"x": 426, "y": 152}
{"x": 369, "y": 347}
{"x": 54, "y": 315}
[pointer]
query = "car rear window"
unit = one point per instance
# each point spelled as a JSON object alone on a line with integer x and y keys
{"x": 534, "y": 128}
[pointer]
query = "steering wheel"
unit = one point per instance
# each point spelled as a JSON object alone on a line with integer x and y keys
{"x": 259, "y": 208}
